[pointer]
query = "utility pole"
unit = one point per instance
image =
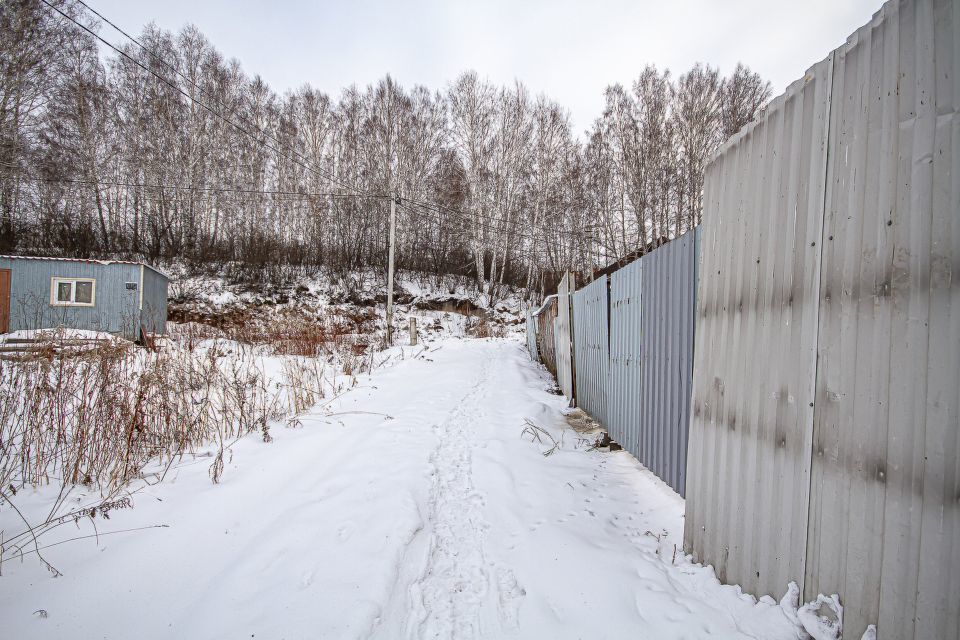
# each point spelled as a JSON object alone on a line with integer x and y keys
{"x": 394, "y": 201}
{"x": 589, "y": 229}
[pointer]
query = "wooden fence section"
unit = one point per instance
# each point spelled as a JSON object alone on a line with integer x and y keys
{"x": 546, "y": 346}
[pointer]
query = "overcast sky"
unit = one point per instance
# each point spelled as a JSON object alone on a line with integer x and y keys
{"x": 567, "y": 49}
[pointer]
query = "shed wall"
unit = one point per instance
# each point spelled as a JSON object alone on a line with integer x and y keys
{"x": 153, "y": 314}
{"x": 116, "y": 308}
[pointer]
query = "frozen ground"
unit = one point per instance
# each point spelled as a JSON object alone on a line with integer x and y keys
{"x": 411, "y": 507}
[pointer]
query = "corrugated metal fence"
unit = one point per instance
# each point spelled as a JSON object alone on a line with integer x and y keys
{"x": 633, "y": 350}
{"x": 755, "y": 352}
{"x": 824, "y": 438}
{"x": 623, "y": 386}
{"x": 591, "y": 335}
{"x": 824, "y": 444}
{"x": 669, "y": 294}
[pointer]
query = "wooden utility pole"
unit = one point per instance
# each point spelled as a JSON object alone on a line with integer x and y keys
{"x": 589, "y": 230}
{"x": 393, "y": 230}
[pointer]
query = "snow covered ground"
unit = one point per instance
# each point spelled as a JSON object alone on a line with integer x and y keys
{"x": 56, "y": 334}
{"x": 410, "y": 507}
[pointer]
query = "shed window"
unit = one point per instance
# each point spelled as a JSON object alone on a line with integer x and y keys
{"x": 73, "y": 292}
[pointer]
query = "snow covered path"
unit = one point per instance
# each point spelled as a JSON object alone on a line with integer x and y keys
{"x": 415, "y": 510}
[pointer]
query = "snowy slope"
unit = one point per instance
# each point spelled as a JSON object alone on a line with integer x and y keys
{"x": 409, "y": 508}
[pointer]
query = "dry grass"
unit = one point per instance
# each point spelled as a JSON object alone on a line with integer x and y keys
{"x": 290, "y": 332}
{"x": 98, "y": 418}
{"x": 536, "y": 433}
{"x": 479, "y": 326}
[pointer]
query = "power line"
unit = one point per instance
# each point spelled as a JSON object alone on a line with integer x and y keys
{"x": 191, "y": 98}
{"x": 144, "y": 185}
{"x": 435, "y": 208}
{"x": 511, "y": 252}
{"x": 151, "y": 53}
{"x": 466, "y": 216}
{"x": 486, "y": 226}
{"x": 265, "y": 192}
{"x": 438, "y": 216}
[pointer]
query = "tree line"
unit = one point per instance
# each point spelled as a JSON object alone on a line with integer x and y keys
{"x": 169, "y": 151}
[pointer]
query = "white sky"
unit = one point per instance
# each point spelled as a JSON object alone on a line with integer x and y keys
{"x": 567, "y": 49}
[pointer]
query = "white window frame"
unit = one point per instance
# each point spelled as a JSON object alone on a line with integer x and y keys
{"x": 55, "y": 282}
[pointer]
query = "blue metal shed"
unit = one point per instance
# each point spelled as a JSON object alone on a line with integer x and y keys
{"x": 115, "y": 296}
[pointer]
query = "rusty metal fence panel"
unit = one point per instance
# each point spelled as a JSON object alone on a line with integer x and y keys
{"x": 591, "y": 339}
{"x": 563, "y": 336}
{"x": 546, "y": 346}
{"x": 824, "y": 441}
{"x": 666, "y": 365}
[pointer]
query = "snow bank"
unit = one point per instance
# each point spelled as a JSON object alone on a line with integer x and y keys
{"x": 408, "y": 507}
{"x": 57, "y": 333}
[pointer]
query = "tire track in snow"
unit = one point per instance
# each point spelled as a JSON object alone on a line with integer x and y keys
{"x": 458, "y": 594}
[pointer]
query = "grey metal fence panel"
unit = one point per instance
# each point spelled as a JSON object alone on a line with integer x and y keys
{"x": 591, "y": 354}
{"x": 885, "y": 490}
{"x": 563, "y": 336}
{"x": 623, "y": 399}
{"x": 755, "y": 356}
{"x": 824, "y": 443}
{"x": 532, "y": 336}
{"x": 666, "y": 335}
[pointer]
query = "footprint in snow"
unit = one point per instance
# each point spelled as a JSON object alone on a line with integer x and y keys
{"x": 306, "y": 579}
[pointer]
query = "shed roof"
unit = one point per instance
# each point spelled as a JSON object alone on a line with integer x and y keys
{"x": 87, "y": 261}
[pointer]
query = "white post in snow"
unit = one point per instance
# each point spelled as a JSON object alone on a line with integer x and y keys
{"x": 393, "y": 229}
{"x": 413, "y": 332}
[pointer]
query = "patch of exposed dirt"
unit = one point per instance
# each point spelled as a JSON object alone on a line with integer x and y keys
{"x": 450, "y": 305}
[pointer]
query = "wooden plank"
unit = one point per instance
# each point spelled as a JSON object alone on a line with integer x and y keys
{"x": 4, "y": 300}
